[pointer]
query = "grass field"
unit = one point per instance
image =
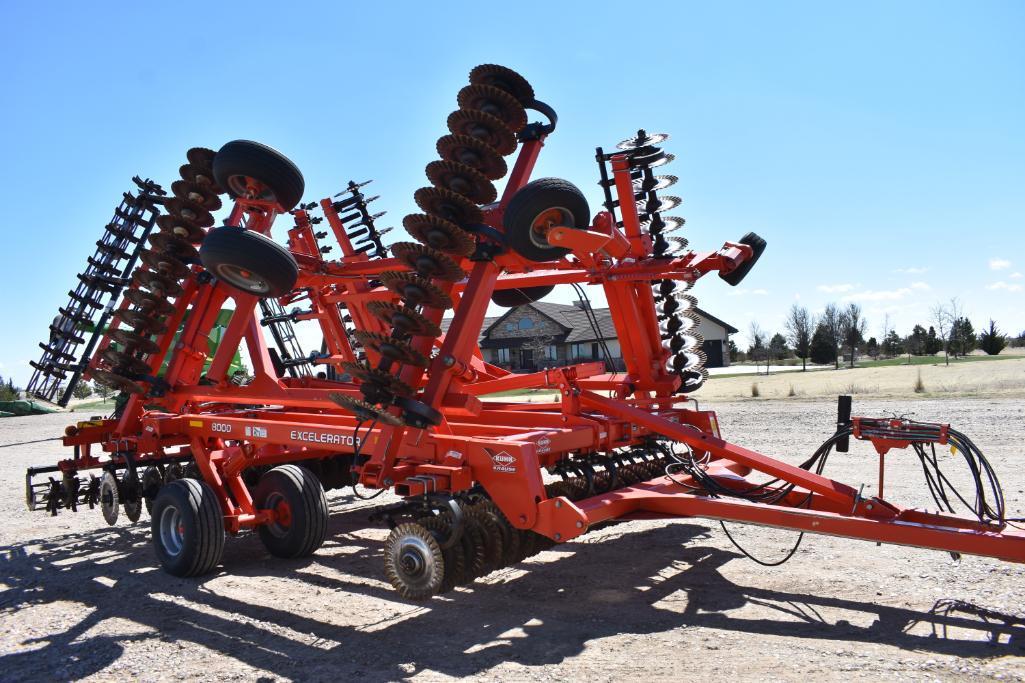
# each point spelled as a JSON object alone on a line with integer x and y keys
{"x": 882, "y": 363}
{"x": 974, "y": 375}
{"x": 93, "y": 405}
{"x": 965, "y": 377}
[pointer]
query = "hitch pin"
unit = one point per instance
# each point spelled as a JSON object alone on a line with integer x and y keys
{"x": 857, "y": 498}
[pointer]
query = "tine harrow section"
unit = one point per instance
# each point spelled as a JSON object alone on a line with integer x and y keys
{"x": 78, "y": 324}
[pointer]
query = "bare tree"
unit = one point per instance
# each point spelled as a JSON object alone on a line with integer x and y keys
{"x": 539, "y": 346}
{"x": 955, "y": 325}
{"x": 757, "y": 344}
{"x": 886, "y": 333}
{"x": 853, "y": 325}
{"x": 800, "y": 326}
{"x": 943, "y": 317}
{"x": 832, "y": 320}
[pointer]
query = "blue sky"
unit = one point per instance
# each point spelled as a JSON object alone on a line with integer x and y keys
{"x": 878, "y": 147}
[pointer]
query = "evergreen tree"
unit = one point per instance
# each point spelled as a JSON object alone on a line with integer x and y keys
{"x": 734, "y": 351}
{"x": 991, "y": 341}
{"x": 917, "y": 341}
{"x": 822, "y": 349}
{"x": 82, "y": 390}
{"x": 872, "y": 347}
{"x": 778, "y": 347}
{"x": 104, "y": 391}
{"x": 962, "y": 337}
{"x": 933, "y": 345}
{"x": 832, "y": 322}
{"x": 893, "y": 345}
{"x": 8, "y": 392}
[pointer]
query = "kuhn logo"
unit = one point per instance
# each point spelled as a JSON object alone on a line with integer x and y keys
{"x": 544, "y": 444}
{"x": 503, "y": 461}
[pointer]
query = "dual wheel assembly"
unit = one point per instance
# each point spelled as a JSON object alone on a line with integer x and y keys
{"x": 188, "y": 522}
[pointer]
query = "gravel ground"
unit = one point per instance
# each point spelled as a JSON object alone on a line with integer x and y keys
{"x": 656, "y": 600}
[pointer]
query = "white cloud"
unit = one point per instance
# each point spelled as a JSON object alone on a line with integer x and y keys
{"x": 836, "y": 289}
{"x": 911, "y": 271}
{"x": 1010, "y": 287}
{"x": 921, "y": 286}
{"x": 797, "y": 296}
{"x": 1015, "y": 276}
{"x": 999, "y": 264}
{"x": 879, "y": 295}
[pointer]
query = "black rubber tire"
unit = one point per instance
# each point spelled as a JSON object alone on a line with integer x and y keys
{"x": 201, "y": 526}
{"x": 757, "y": 244}
{"x": 275, "y": 171}
{"x": 301, "y": 490}
{"x": 533, "y": 199}
{"x": 517, "y": 297}
{"x": 226, "y": 251}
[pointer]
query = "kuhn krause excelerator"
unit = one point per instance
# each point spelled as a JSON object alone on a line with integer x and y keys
{"x": 392, "y": 402}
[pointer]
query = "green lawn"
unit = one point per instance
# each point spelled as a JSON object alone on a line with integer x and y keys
{"x": 98, "y": 407}
{"x": 882, "y": 362}
{"x": 927, "y": 360}
{"x": 520, "y": 392}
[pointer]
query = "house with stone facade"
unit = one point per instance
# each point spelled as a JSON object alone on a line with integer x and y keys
{"x": 538, "y": 335}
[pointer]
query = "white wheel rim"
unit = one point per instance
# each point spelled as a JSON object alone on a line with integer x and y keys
{"x": 242, "y": 278}
{"x": 172, "y": 531}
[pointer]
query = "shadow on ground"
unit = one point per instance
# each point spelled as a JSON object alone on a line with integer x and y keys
{"x": 555, "y": 609}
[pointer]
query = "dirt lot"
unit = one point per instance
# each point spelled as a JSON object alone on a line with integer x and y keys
{"x": 655, "y": 600}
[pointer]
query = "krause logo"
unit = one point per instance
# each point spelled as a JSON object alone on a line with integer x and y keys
{"x": 502, "y": 461}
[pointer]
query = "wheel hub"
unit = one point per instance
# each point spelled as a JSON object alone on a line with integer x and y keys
{"x": 242, "y": 278}
{"x": 412, "y": 562}
{"x": 545, "y": 221}
{"x": 282, "y": 520}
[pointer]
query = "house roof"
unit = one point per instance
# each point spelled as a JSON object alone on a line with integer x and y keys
{"x": 575, "y": 321}
{"x": 708, "y": 316}
{"x": 488, "y": 322}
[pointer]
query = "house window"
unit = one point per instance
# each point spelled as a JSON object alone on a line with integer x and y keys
{"x": 503, "y": 355}
{"x": 551, "y": 352}
{"x": 526, "y": 323}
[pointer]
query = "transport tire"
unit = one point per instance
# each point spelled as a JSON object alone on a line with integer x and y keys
{"x": 249, "y": 262}
{"x": 539, "y": 204}
{"x": 187, "y": 525}
{"x": 757, "y": 245}
{"x": 297, "y": 497}
{"x": 508, "y": 298}
{"x": 278, "y": 179}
